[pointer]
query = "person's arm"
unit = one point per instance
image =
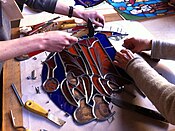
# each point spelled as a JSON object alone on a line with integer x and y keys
{"x": 53, "y": 41}
{"x": 42, "y": 5}
{"x": 163, "y": 50}
{"x": 54, "y": 6}
{"x": 159, "y": 49}
{"x": 159, "y": 91}
{"x": 137, "y": 45}
{"x": 96, "y": 18}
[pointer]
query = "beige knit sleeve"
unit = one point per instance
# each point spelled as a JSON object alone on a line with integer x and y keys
{"x": 160, "y": 92}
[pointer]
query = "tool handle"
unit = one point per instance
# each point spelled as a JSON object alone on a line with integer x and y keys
{"x": 37, "y": 25}
{"x": 28, "y": 130}
{"x": 35, "y": 108}
{"x": 68, "y": 26}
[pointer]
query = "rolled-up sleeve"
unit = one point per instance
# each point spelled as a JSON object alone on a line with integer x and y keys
{"x": 43, "y": 5}
{"x": 163, "y": 50}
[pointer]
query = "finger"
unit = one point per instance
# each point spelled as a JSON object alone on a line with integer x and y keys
{"x": 130, "y": 54}
{"x": 119, "y": 57}
{"x": 73, "y": 39}
{"x": 101, "y": 20}
{"x": 117, "y": 63}
{"x": 123, "y": 50}
{"x": 98, "y": 23}
{"x": 127, "y": 53}
{"x": 119, "y": 54}
{"x": 124, "y": 56}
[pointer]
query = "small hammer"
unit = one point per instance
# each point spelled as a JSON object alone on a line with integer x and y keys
{"x": 89, "y": 30}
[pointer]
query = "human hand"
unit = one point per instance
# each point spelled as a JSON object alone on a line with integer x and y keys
{"x": 56, "y": 41}
{"x": 172, "y": 2}
{"x": 137, "y": 45}
{"x": 95, "y": 17}
{"x": 122, "y": 58}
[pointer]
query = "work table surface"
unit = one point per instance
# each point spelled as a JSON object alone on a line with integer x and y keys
{"x": 11, "y": 68}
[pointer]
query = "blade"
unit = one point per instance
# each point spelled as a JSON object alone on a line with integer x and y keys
{"x": 56, "y": 120}
{"x": 142, "y": 110}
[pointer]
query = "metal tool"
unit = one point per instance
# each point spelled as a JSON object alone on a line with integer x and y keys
{"x": 17, "y": 94}
{"x": 36, "y": 108}
{"x": 142, "y": 110}
{"x": 14, "y": 125}
{"x": 41, "y": 26}
{"x": 89, "y": 30}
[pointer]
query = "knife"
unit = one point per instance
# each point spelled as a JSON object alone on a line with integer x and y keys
{"x": 142, "y": 110}
{"x": 36, "y": 108}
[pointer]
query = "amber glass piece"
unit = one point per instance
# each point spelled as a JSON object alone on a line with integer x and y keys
{"x": 101, "y": 108}
{"x": 83, "y": 114}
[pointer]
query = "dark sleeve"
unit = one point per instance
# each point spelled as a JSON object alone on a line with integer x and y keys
{"x": 43, "y": 5}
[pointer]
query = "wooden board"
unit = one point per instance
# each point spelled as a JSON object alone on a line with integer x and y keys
{"x": 11, "y": 74}
{"x": 12, "y": 10}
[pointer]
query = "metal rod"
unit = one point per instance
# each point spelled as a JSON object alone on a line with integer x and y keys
{"x": 17, "y": 94}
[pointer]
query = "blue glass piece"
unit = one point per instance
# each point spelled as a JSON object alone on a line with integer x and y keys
{"x": 88, "y": 3}
{"x": 44, "y": 73}
{"x": 57, "y": 97}
{"x": 106, "y": 45}
{"x": 103, "y": 40}
{"x": 59, "y": 72}
{"x": 118, "y": 34}
{"x": 111, "y": 52}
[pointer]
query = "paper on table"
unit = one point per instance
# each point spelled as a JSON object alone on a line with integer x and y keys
{"x": 123, "y": 120}
{"x": 35, "y": 122}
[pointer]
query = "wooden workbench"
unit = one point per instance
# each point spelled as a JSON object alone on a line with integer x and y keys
{"x": 11, "y": 73}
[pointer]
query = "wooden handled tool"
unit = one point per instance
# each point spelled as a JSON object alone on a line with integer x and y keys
{"x": 71, "y": 25}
